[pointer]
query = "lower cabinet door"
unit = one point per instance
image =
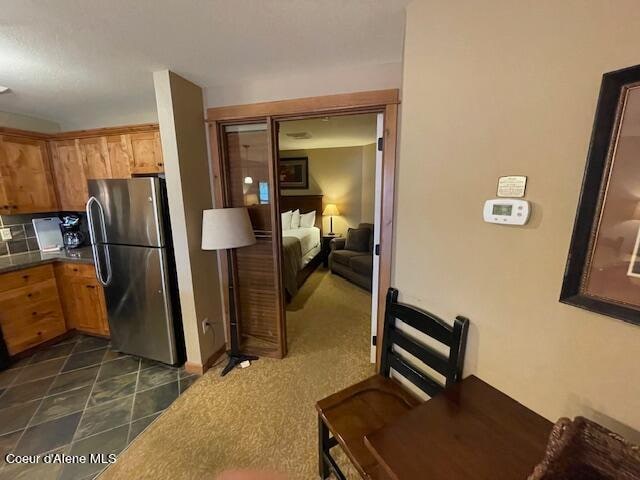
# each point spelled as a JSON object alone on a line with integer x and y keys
{"x": 89, "y": 311}
{"x": 82, "y": 298}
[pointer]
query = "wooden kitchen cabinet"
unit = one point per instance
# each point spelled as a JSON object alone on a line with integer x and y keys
{"x": 89, "y": 306}
{"x": 104, "y": 153}
{"x": 95, "y": 158}
{"x": 30, "y": 309}
{"x": 106, "y": 157}
{"x": 69, "y": 172}
{"x": 82, "y": 298}
{"x": 26, "y": 182}
{"x": 147, "y": 153}
{"x": 5, "y": 202}
{"x": 41, "y": 303}
{"x": 49, "y": 173}
{"x": 120, "y": 155}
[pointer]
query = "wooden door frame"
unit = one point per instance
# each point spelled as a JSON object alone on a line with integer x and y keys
{"x": 377, "y": 101}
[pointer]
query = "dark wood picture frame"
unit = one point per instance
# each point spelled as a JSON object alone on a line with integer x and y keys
{"x": 299, "y": 184}
{"x": 593, "y": 197}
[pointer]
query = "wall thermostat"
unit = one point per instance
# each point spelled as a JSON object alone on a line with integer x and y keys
{"x": 507, "y": 211}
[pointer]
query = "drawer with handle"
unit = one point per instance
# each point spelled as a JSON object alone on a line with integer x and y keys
{"x": 25, "y": 277}
{"x": 17, "y": 319}
{"x": 30, "y": 310}
{"x": 84, "y": 270}
{"x": 28, "y": 295}
{"x": 34, "y": 333}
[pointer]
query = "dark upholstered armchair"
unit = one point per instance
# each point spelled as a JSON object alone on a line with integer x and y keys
{"x": 356, "y": 262}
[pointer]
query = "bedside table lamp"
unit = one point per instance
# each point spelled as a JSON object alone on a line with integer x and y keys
{"x": 227, "y": 229}
{"x": 332, "y": 211}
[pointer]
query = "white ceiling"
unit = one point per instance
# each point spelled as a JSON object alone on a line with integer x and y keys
{"x": 73, "y": 61}
{"x": 331, "y": 132}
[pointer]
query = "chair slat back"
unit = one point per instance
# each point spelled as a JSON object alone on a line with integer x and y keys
{"x": 452, "y": 336}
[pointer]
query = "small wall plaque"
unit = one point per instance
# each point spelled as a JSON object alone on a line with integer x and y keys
{"x": 512, "y": 186}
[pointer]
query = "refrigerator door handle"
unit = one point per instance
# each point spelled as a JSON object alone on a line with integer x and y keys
{"x": 94, "y": 242}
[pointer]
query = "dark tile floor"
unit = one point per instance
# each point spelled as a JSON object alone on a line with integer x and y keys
{"x": 80, "y": 397}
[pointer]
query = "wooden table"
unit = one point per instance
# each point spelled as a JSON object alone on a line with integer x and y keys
{"x": 471, "y": 431}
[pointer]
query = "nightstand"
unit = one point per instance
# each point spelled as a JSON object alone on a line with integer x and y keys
{"x": 326, "y": 247}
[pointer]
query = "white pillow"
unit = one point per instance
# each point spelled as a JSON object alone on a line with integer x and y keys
{"x": 308, "y": 219}
{"x": 286, "y": 220}
{"x": 295, "y": 219}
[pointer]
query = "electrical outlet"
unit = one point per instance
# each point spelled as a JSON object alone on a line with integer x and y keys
{"x": 5, "y": 234}
{"x": 205, "y": 325}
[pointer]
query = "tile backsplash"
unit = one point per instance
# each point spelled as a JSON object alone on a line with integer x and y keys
{"x": 24, "y": 236}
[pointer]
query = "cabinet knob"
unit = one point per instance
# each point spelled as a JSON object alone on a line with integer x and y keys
{"x": 75, "y": 269}
{"x": 29, "y": 295}
{"x": 90, "y": 286}
{"x": 34, "y": 313}
{"x": 160, "y": 164}
{"x": 25, "y": 277}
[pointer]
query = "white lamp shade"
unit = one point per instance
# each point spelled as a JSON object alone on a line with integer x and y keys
{"x": 330, "y": 209}
{"x": 224, "y": 228}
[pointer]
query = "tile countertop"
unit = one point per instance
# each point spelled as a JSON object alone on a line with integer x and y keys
{"x": 31, "y": 259}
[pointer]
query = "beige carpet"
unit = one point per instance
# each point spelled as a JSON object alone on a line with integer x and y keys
{"x": 263, "y": 416}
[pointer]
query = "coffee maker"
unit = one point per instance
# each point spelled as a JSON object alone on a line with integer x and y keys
{"x": 72, "y": 237}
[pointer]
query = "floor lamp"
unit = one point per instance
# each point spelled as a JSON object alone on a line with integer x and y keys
{"x": 228, "y": 229}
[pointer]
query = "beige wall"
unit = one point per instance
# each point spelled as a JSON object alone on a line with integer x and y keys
{"x": 181, "y": 116}
{"x": 143, "y": 112}
{"x": 26, "y": 122}
{"x": 511, "y": 88}
{"x": 313, "y": 82}
{"x": 337, "y": 174}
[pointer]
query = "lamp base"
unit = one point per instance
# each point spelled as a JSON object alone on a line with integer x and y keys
{"x": 236, "y": 359}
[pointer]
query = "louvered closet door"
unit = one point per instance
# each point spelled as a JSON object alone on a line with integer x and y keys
{"x": 250, "y": 182}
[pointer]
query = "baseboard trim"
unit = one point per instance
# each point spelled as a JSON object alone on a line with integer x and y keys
{"x": 198, "y": 369}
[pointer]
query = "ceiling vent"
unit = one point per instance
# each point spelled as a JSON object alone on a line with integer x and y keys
{"x": 299, "y": 135}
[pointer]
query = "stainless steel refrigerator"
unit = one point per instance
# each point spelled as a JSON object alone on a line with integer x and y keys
{"x": 131, "y": 241}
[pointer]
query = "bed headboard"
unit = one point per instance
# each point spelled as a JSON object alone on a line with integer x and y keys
{"x": 305, "y": 203}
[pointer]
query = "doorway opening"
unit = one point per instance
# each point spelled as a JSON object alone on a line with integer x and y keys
{"x": 329, "y": 172}
{"x": 244, "y": 143}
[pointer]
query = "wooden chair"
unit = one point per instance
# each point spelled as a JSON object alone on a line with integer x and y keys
{"x": 344, "y": 418}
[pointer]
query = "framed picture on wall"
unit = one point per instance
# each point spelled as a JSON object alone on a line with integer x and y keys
{"x": 294, "y": 173}
{"x": 603, "y": 267}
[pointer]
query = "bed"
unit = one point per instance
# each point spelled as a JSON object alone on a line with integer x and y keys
{"x": 301, "y": 247}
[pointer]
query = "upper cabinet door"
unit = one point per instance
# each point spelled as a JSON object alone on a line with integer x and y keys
{"x": 5, "y": 201}
{"x": 27, "y": 182}
{"x": 120, "y": 155}
{"x": 147, "y": 153}
{"x": 95, "y": 158}
{"x": 71, "y": 181}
